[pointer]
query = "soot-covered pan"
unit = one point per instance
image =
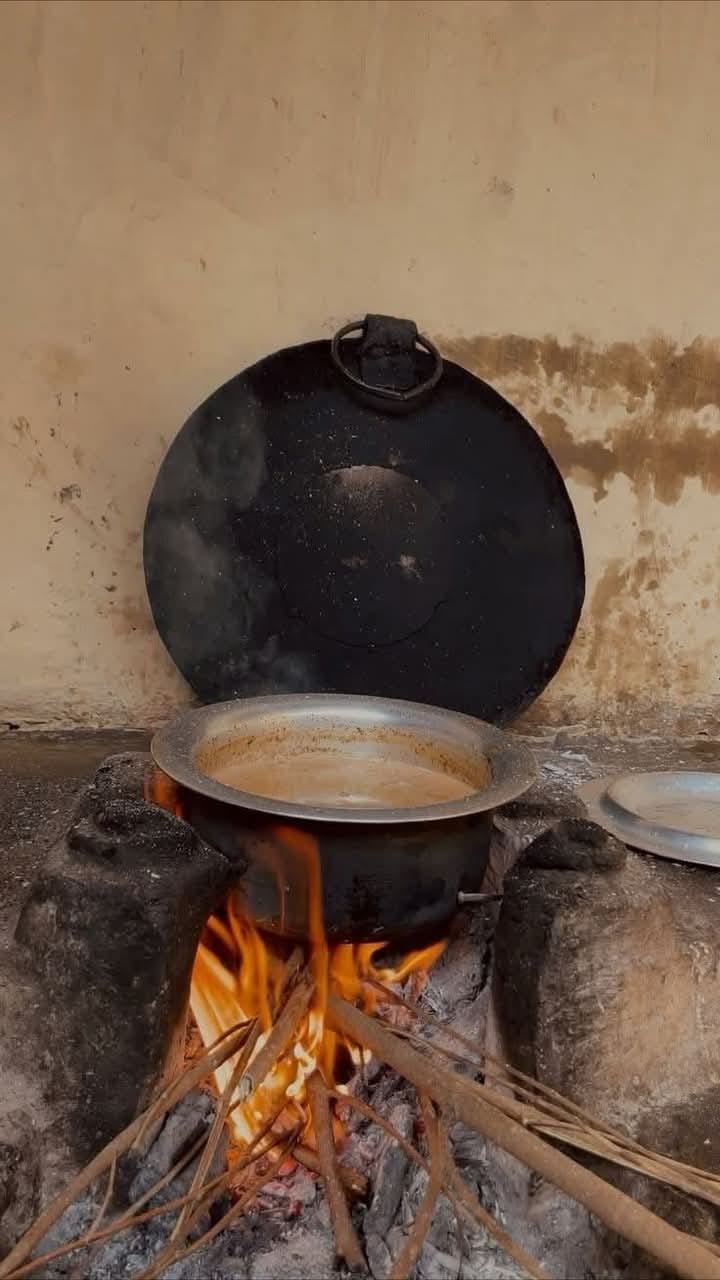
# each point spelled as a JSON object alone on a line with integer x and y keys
{"x": 363, "y": 517}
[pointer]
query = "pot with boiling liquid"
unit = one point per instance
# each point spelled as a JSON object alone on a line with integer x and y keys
{"x": 367, "y": 814}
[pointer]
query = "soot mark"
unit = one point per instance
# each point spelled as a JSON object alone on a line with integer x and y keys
{"x": 69, "y": 491}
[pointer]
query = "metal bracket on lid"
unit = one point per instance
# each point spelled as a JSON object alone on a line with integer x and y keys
{"x": 387, "y": 360}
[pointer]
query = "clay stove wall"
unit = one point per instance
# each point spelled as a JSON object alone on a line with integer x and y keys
{"x": 187, "y": 186}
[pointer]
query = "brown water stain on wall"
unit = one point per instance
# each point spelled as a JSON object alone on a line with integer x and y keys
{"x": 655, "y": 389}
{"x": 623, "y": 627}
{"x": 588, "y": 461}
{"x": 626, "y": 656}
{"x": 626, "y": 647}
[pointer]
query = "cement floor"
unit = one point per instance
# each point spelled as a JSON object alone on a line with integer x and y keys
{"x": 40, "y": 774}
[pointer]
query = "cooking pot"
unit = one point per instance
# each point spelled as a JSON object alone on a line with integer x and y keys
{"x": 399, "y": 827}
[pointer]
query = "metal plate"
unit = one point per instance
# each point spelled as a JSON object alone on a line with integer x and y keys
{"x": 299, "y": 540}
{"x": 672, "y": 814}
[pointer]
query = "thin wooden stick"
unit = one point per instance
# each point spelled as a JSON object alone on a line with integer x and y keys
{"x": 455, "y": 1189}
{"x": 199, "y": 1198}
{"x": 459, "y": 1191}
{"x": 221, "y": 1111}
{"x": 545, "y": 1117}
{"x": 106, "y": 1198}
{"x": 202, "y": 1066}
{"x": 481, "y": 1056}
{"x": 189, "y": 1199}
{"x": 292, "y": 968}
{"x": 549, "y": 1096}
{"x": 167, "y": 1178}
{"x": 354, "y": 1182}
{"x": 161, "y": 1262}
{"x": 598, "y": 1145}
{"x": 79, "y": 1268}
{"x": 277, "y": 1042}
{"x": 222, "y": 1036}
{"x": 689, "y": 1257}
{"x": 214, "y": 1056}
{"x": 347, "y": 1244}
{"x": 277, "y": 1037}
{"x": 131, "y": 1219}
{"x": 410, "y": 1251}
{"x": 240, "y": 1081}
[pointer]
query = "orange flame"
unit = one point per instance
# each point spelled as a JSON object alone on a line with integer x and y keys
{"x": 160, "y": 790}
{"x": 238, "y": 974}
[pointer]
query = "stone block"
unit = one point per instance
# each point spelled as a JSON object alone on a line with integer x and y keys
{"x": 607, "y": 988}
{"x": 110, "y": 930}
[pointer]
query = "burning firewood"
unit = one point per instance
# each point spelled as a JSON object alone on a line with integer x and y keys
{"x": 275, "y": 1069}
{"x": 347, "y": 1243}
{"x": 689, "y": 1256}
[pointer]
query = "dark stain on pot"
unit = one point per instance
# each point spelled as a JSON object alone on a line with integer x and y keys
{"x": 657, "y": 384}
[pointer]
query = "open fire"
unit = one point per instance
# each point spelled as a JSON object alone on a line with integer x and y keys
{"x": 239, "y": 974}
{"x": 290, "y": 1059}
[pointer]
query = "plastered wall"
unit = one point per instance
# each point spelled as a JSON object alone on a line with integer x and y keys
{"x": 186, "y": 186}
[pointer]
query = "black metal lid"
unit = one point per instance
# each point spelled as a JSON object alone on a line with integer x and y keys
{"x": 360, "y": 517}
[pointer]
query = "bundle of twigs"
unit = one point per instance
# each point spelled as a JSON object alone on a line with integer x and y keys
{"x": 516, "y": 1128}
{"x": 242, "y": 1177}
{"x": 522, "y": 1116}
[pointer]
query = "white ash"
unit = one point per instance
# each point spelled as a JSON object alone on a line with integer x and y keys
{"x": 308, "y": 1251}
{"x": 185, "y": 1124}
{"x": 455, "y": 1249}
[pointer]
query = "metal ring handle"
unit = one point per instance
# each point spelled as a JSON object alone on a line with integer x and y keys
{"x": 386, "y": 393}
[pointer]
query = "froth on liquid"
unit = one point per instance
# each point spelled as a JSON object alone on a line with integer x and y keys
{"x": 344, "y": 782}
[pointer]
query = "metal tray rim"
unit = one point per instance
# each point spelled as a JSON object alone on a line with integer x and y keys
{"x": 640, "y": 833}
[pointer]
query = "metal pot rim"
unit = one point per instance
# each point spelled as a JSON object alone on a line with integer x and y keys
{"x": 512, "y": 767}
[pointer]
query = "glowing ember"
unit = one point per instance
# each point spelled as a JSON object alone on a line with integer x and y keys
{"x": 238, "y": 976}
